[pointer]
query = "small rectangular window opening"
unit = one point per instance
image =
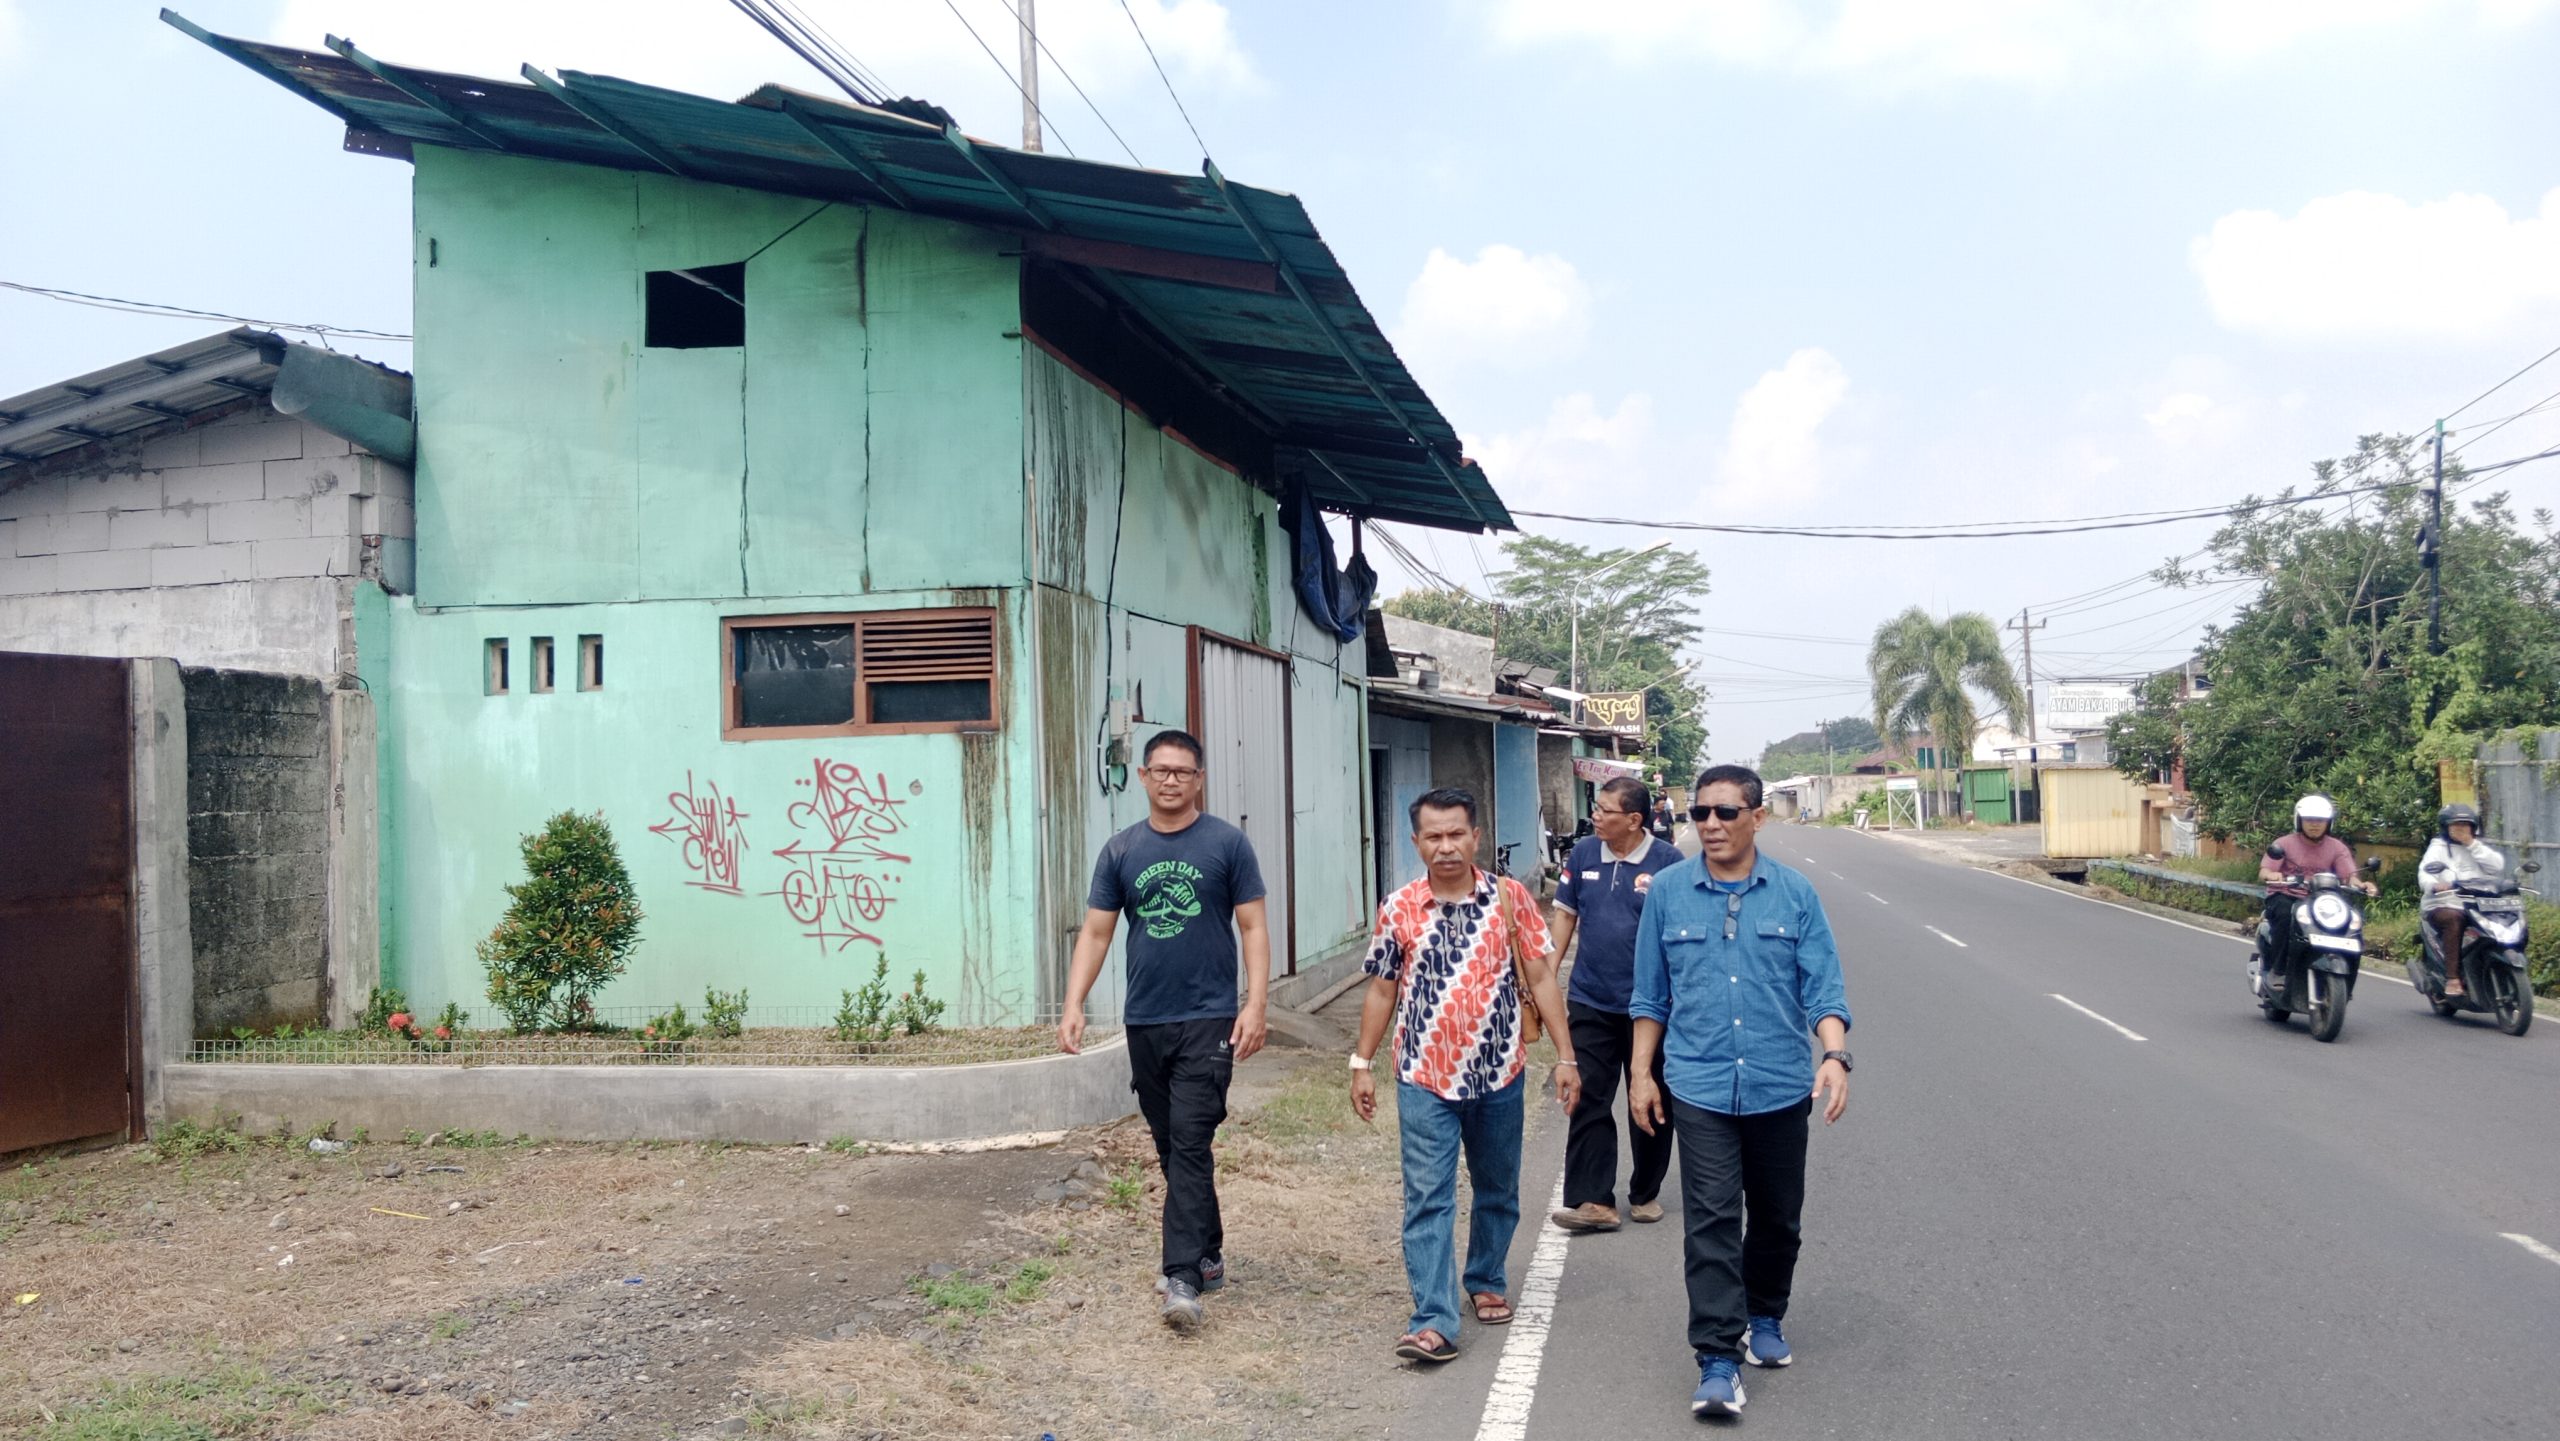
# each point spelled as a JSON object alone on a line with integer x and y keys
{"x": 697, "y": 309}
{"x": 591, "y": 662}
{"x": 904, "y": 671}
{"x": 494, "y": 668}
{"x": 542, "y": 670}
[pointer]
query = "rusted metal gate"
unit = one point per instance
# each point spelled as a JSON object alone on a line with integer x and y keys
{"x": 67, "y": 1023}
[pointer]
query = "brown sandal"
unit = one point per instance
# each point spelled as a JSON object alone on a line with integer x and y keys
{"x": 1492, "y": 1309}
{"x": 1426, "y": 1346}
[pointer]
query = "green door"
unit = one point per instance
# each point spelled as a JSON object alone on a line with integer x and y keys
{"x": 1986, "y": 794}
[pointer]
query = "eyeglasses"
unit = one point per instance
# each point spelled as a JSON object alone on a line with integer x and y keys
{"x": 1598, "y": 811}
{"x": 1722, "y": 813}
{"x": 1173, "y": 773}
{"x": 1732, "y": 909}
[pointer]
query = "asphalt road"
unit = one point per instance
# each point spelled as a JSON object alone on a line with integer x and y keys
{"x": 2030, "y": 1224}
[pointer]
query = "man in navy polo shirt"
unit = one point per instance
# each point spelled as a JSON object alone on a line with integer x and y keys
{"x": 1602, "y": 897}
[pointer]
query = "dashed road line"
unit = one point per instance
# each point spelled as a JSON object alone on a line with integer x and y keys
{"x": 1950, "y": 940}
{"x": 2129, "y": 1035}
{"x": 2530, "y": 1244}
{"x": 1879, "y": 900}
{"x": 1835, "y": 875}
{"x": 1515, "y": 1376}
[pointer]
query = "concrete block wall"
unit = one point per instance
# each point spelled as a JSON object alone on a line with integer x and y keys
{"x": 258, "y": 863}
{"x": 235, "y": 543}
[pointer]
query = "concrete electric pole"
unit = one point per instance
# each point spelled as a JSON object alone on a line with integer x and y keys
{"x": 1030, "y": 78}
{"x": 2027, "y": 635}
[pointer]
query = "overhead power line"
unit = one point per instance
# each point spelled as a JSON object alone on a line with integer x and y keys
{"x": 1167, "y": 79}
{"x": 182, "y": 312}
{"x": 1978, "y": 530}
{"x": 1010, "y": 78}
{"x": 1016, "y": 8}
{"x": 2503, "y": 384}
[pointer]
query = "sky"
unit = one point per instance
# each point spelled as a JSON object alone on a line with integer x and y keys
{"x": 1888, "y": 262}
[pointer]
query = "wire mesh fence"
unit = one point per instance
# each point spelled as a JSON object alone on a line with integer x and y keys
{"x": 639, "y": 1036}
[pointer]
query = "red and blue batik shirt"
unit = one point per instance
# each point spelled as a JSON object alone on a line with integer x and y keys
{"x": 1459, "y": 998}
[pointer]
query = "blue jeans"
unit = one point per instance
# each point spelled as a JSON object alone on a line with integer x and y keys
{"x": 1487, "y": 1128}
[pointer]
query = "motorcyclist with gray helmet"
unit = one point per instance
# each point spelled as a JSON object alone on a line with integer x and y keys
{"x": 2306, "y": 850}
{"x": 2461, "y": 856}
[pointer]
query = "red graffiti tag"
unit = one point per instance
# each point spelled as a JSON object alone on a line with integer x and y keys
{"x": 838, "y": 885}
{"x": 706, "y": 824}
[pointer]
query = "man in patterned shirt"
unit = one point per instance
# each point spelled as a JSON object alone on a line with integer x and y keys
{"x": 1441, "y": 966}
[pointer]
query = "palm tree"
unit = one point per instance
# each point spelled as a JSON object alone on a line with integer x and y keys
{"x": 1923, "y": 672}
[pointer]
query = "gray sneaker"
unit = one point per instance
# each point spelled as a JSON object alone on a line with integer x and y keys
{"x": 1182, "y": 1309}
{"x": 1213, "y": 1274}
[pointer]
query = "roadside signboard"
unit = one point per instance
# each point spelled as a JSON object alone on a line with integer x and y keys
{"x": 1620, "y": 711}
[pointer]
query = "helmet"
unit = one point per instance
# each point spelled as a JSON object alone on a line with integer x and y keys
{"x": 2468, "y": 815}
{"x": 2314, "y": 808}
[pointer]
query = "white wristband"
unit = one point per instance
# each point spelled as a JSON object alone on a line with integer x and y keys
{"x": 1359, "y": 1063}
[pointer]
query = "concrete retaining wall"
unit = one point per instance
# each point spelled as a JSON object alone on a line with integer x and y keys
{"x": 258, "y": 848}
{"x": 668, "y": 1103}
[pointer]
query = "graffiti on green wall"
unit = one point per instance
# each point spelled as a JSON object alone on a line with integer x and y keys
{"x": 842, "y": 868}
{"x": 707, "y": 824}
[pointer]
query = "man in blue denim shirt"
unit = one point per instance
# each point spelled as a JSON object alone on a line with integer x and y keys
{"x": 1735, "y": 970}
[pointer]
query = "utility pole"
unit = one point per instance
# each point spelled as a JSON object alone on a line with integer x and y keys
{"x": 2027, "y": 634}
{"x": 1827, "y": 768}
{"x": 2431, "y": 553}
{"x": 1030, "y": 78}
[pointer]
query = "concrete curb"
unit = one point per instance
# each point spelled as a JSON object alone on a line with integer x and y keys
{"x": 668, "y": 1103}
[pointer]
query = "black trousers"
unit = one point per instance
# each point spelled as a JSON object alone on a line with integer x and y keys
{"x": 1180, "y": 1071}
{"x": 1733, "y": 1167}
{"x": 1604, "y": 1045}
{"x": 2279, "y": 914}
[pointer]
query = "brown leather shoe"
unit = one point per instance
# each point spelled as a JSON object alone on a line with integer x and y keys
{"x": 1648, "y": 1212}
{"x": 1589, "y": 1216}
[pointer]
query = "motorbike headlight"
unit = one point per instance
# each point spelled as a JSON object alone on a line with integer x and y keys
{"x": 2329, "y": 911}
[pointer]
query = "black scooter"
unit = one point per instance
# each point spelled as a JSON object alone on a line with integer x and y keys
{"x": 2494, "y": 981}
{"x": 2317, "y": 973}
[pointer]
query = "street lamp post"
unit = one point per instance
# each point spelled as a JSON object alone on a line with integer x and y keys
{"x": 1574, "y": 660}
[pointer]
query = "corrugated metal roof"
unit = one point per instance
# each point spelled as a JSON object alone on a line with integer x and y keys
{"x": 1236, "y": 279}
{"x": 176, "y": 384}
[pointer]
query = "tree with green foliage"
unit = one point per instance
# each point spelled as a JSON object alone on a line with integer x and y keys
{"x": 2325, "y": 682}
{"x": 1636, "y": 619}
{"x": 1850, "y": 738}
{"x": 1923, "y": 674}
{"x": 569, "y": 928}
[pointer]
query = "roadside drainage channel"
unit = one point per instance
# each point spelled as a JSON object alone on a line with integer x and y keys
{"x": 671, "y": 1103}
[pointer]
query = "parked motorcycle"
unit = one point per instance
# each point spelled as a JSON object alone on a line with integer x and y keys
{"x": 2318, "y": 971}
{"x": 2494, "y": 979}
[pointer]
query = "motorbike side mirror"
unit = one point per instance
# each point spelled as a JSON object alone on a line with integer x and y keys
{"x": 2373, "y": 863}
{"x": 2532, "y": 867}
{"x": 2436, "y": 868}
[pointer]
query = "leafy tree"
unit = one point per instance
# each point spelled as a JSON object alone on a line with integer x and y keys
{"x": 569, "y": 927}
{"x": 1804, "y": 753}
{"x": 2325, "y": 682}
{"x": 1635, "y": 621}
{"x": 1924, "y": 672}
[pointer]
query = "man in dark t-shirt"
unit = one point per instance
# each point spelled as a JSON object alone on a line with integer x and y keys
{"x": 1191, "y": 888}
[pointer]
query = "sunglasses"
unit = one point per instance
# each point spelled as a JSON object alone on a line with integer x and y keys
{"x": 1727, "y": 814}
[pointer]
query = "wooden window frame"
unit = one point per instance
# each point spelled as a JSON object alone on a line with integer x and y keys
{"x": 861, "y": 724}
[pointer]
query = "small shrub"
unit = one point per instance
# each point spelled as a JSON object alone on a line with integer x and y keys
{"x": 848, "y": 1146}
{"x": 724, "y": 1013}
{"x": 185, "y": 1140}
{"x": 379, "y": 1005}
{"x": 569, "y": 929}
{"x": 918, "y": 1013}
{"x": 1027, "y": 1281}
{"x": 667, "y": 1031}
{"x": 951, "y": 1293}
{"x": 864, "y": 1016}
{"x": 1126, "y": 1189}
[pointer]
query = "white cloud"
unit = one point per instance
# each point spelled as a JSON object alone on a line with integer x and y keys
{"x": 2176, "y": 410}
{"x": 1775, "y": 451}
{"x": 1575, "y": 457}
{"x": 1927, "y": 41}
{"x": 2366, "y": 266}
{"x": 916, "y": 49}
{"x": 11, "y": 27}
{"x": 1505, "y": 307}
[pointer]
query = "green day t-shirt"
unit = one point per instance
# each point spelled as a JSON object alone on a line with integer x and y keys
{"x": 1179, "y": 893}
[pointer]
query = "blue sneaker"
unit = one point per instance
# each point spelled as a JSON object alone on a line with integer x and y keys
{"x": 1719, "y": 1388}
{"x": 1765, "y": 1345}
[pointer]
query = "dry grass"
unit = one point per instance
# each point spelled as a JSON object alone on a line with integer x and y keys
{"x": 1316, "y": 1291}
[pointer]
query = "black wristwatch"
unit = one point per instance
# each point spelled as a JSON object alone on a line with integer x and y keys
{"x": 1842, "y": 1057}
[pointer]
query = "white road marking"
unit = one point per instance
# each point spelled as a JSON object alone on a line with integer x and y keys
{"x": 1879, "y": 900}
{"x": 1515, "y": 1377}
{"x": 1941, "y": 935}
{"x": 1835, "y": 875}
{"x": 2092, "y": 1015}
{"x": 2110, "y": 905}
{"x": 2530, "y": 1244}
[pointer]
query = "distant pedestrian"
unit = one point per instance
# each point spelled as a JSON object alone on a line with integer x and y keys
{"x": 1663, "y": 820}
{"x": 1445, "y": 966}
{"x": 1735, "y": 970}
{"x": 1601, "y": 899}
{"x": 1191, "y": 887}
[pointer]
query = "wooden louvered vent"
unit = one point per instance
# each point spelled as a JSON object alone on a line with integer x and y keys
{"x": 934, "y": 668}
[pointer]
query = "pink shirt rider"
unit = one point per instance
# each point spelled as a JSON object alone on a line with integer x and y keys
{"x": 2298, "y": 854}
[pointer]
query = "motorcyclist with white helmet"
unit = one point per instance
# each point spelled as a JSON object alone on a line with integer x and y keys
{"x": 2462, "y": 856}
{"x": 2306, "y": 850}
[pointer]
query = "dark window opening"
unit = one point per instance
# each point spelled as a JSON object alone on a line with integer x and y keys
{"x": 493, "y": 667}
{"x": 794, "y": 675}
{"x": 697, "y": 309}
{"x": 591, "y": 662}
{"x": 542, "y": 667}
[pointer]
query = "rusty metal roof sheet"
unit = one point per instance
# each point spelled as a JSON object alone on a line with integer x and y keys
{"x": 1236, "y": 279}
